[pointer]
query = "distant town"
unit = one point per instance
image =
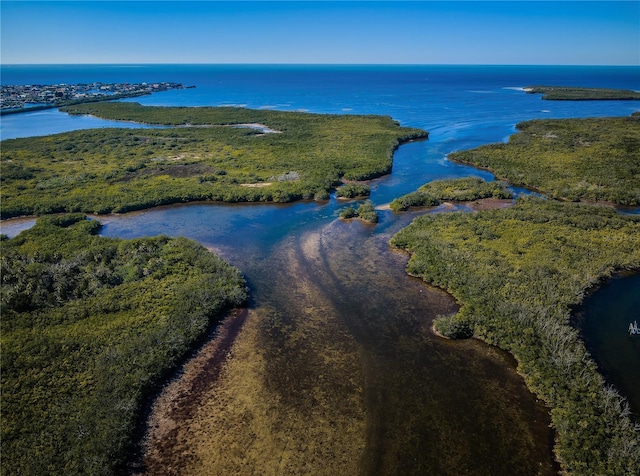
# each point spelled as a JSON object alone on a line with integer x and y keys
{"x": 22, "y": 98}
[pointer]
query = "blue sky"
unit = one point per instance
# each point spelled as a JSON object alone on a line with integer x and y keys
{"x": 368, "y": 32}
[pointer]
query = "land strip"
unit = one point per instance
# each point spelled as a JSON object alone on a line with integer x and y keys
{"x": 458, "y": 190}
{"x": 564, "y": 93}
{"x": 119, "y": 170}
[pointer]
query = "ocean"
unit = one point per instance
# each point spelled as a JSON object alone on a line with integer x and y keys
{"x": 478, "y": 103}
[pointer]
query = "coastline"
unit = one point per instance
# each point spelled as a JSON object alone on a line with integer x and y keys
{"x": 4, "y": 112}
{"x": 76, "y": 94}
{"x": 604, "y": 203}
{"x": 180, "y": 397}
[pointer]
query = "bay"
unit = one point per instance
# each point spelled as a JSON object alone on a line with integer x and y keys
{"x": 408, "y": 386}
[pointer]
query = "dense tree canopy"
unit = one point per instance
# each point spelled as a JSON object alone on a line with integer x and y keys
{"x": 517, "y": 272}
{"x": 298, "y": 156}
{"x": 593, "y": 159}
{"x": 90, "y": 326}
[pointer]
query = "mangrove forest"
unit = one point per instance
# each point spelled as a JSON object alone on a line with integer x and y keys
{"x": 564, "y": 93}
{"x": 592, "y": 159}
{"x": 195, "y": 156}
{"x": 91, "y": 326}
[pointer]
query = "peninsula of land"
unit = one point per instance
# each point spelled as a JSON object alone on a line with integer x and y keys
{"x": 591, "y": 159}
{"x": 118, "y": 170}
{"x": 90, "y": 327}
{"x": 32, "y": 97}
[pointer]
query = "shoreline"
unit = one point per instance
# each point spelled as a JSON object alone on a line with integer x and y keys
{"x": 439, "y": 334}
{"x": 605, "y": 203}
{"x": 79, "y": 91}
{"x": 227, "y": 191}
{"x": 178, "y": 399}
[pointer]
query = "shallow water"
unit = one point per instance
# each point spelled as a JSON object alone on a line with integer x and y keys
{"x": 337, "y": 306}
{"x": 432, "y": 406}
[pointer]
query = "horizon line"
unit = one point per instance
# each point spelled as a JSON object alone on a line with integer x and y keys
{"x": 311, "y": 64}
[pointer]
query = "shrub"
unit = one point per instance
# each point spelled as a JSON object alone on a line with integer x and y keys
{"x": 348, "y": 212}
{"x": 367, "y": 213}
{"x": 453, "y": 327}
{"x": 413, "y": 199}
{"x": 353, "y": 190}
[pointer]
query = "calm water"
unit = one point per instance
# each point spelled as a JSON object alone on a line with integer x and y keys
{"x": 604, "y": 319}
{"x": 415, "y": 383}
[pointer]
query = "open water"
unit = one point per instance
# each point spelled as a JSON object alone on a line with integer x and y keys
{"x": 414, "y": 383}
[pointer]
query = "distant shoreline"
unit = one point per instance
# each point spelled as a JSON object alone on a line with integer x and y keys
{"x": 42, "y": 107}
{"x": 61, "y": 95}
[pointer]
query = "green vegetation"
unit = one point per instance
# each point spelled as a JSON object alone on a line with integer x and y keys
{"x": 348, "y": 213}
{"x": 353, "y": 190}
{"x": 119, "y": 170}
{"x": 365, "y": 212}
{"x": 517, "y": 272}
{"x": 564, "y": 93}
{"x": 90, "y": 326}
{"x": 413, "y": 199}
{"x": 594, "y": 159}
{"x": 460, "y": 190}
{"x": 453, "y": 327}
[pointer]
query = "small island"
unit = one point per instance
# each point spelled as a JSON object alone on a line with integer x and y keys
{"x": 565, "y": 93}
{"x": 365, "y": 212}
